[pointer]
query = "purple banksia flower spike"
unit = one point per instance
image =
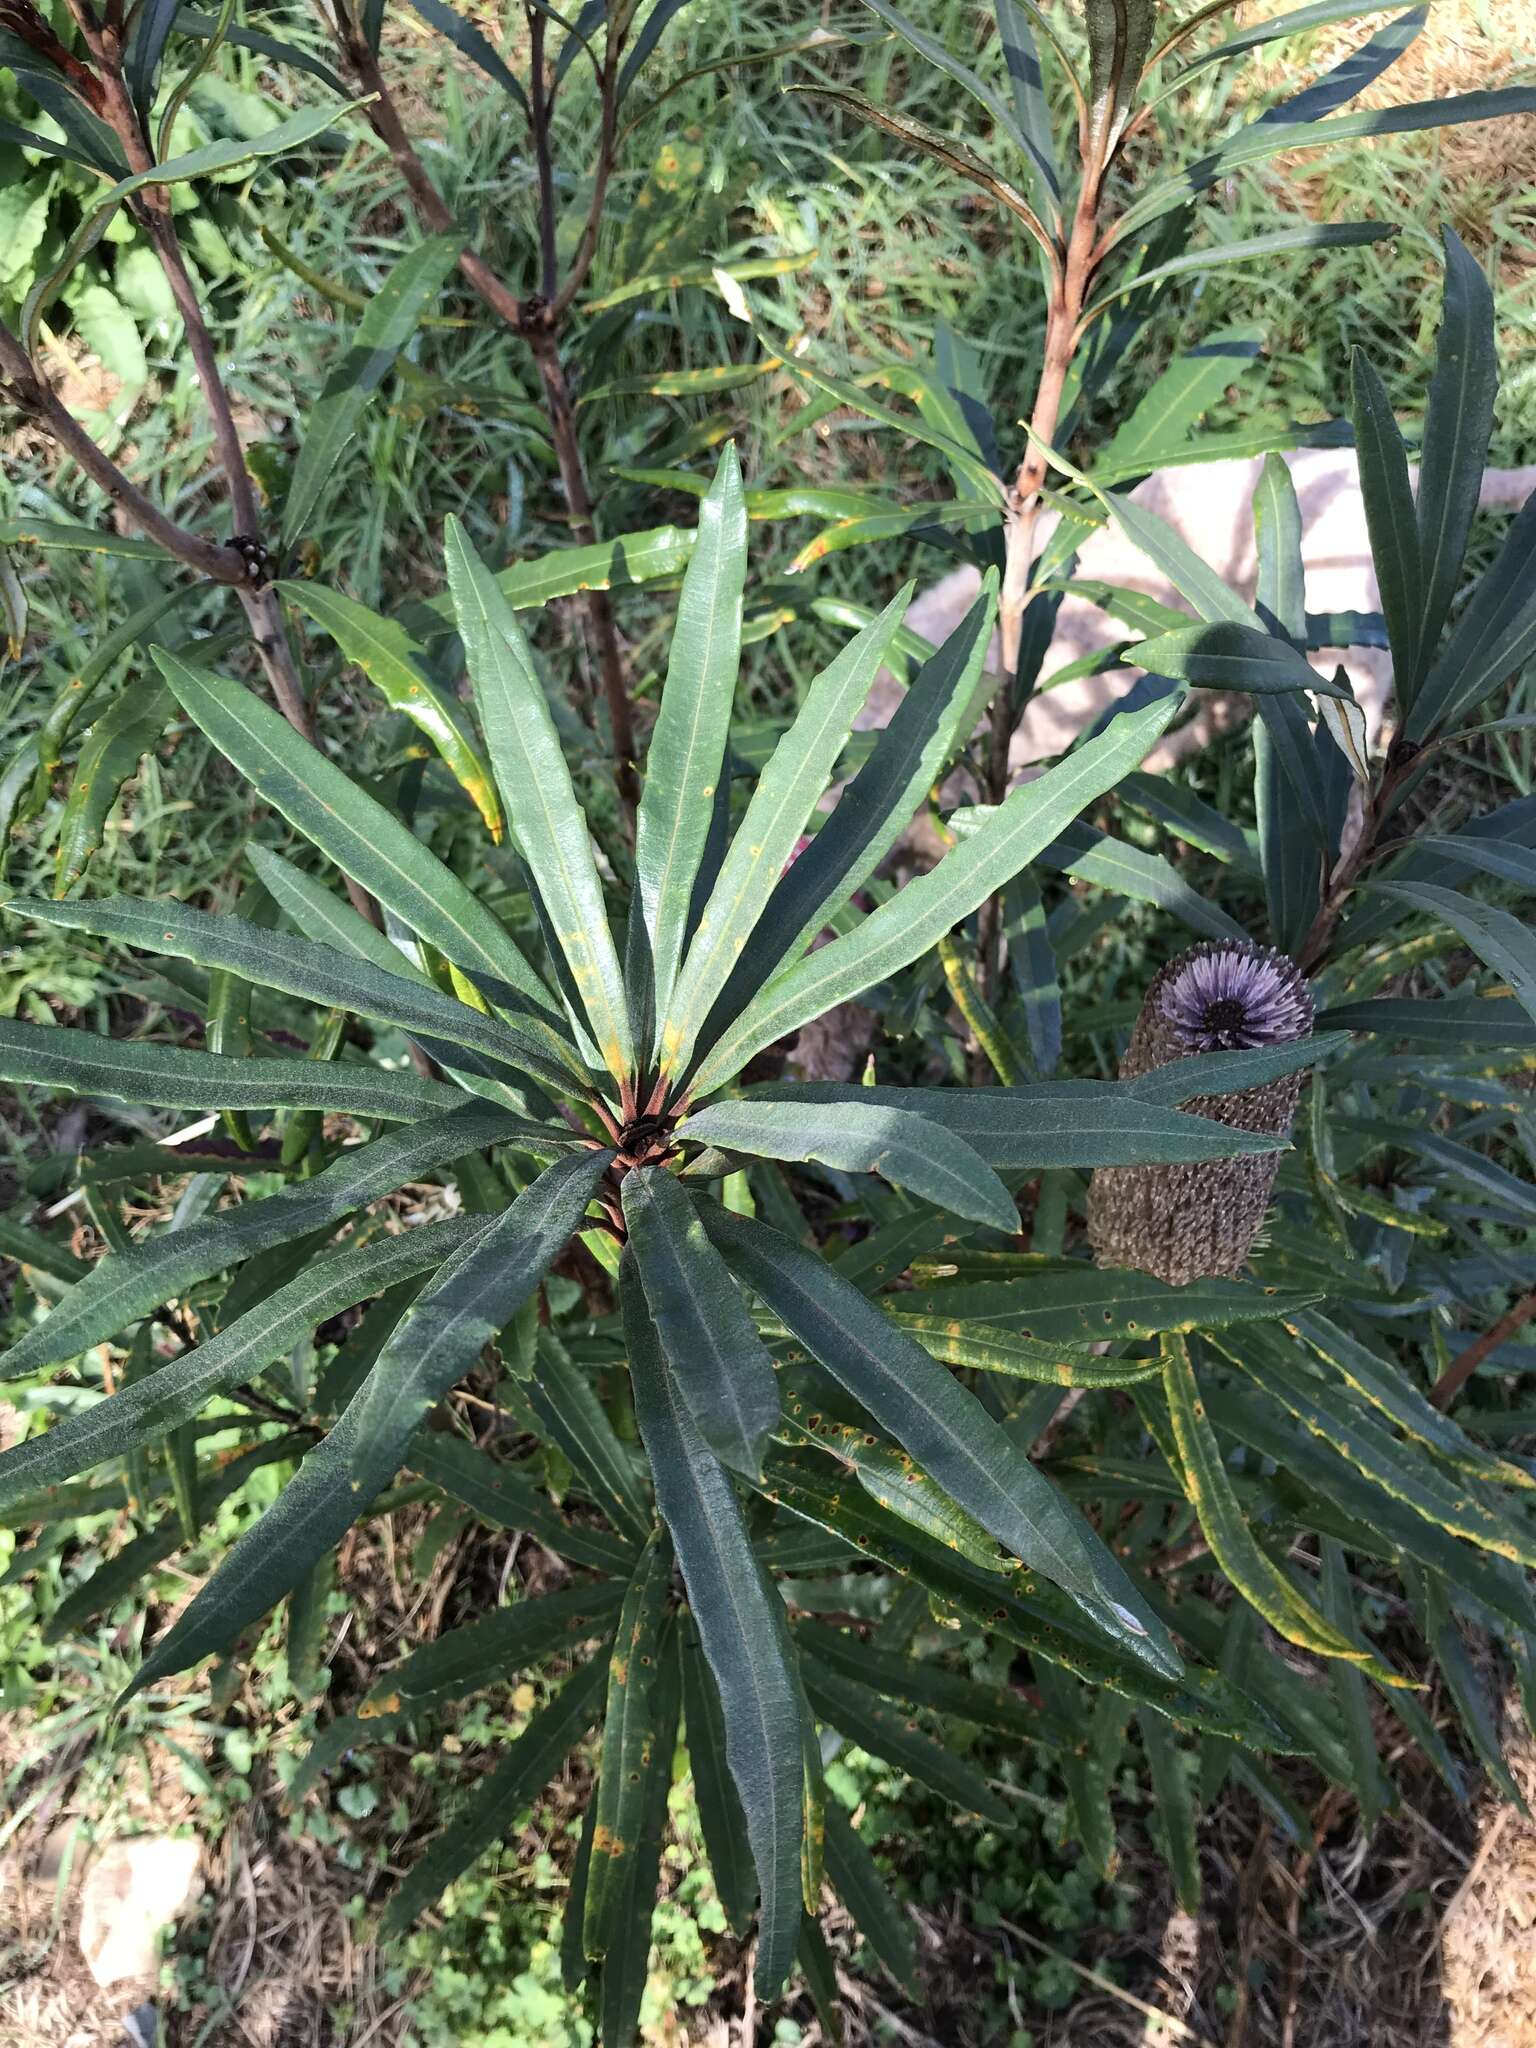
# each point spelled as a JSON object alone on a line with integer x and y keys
{"x": 1194, "y": 1222}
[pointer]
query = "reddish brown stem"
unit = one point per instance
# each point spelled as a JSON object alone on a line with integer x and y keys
{"x": 25, "y": 389}
{"x": 1314, "y": 947}
{"x": 1074, "y": 276}
{"x": 610, "y": 662}
{"x": 538, "y": 121}
{"x": 1455, "y": 1377}
{"x": 537, "y": 322}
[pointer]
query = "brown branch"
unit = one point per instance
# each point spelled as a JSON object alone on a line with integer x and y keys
{"x": 151, "y": 208}
{"x": 562, "y": 422}
{"x": 1314, "y": 947}
{"x": 1073, "y": 279}
{"x": 538, "y": 121}
{"x": 22, "y": 386}
{"x": 383, "y": 117}
{"x": 1455, "y": 1376}
{"x": 602, "y": 170}
{"x": 536, "y": 321}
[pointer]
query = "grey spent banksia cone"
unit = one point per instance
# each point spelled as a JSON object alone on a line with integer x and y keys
{"x": 1199, "y": 1221}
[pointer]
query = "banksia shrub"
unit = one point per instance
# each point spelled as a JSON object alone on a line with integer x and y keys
{"x": 1195, "y": 1221}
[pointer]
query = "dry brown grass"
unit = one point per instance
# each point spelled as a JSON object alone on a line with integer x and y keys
{"x": 1465, "y": 46}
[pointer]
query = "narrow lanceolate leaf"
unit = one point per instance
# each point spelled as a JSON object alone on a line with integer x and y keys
{"x": 893, "y": 1479}
{"x": 549, "y": 824}
{"x": 944, "y": 149}
{"x": 469, "y": 42}
{"x": 1251, "y": 1570}
{"x": 167, "y": 1077}
{"x": 921, "y": 913}
{"x": 868, "y": 1721}
{"x": 785, "y": 796}
{"x": 626, "y": 1970}
{"x": 396, "y": 667}
{"x": 129, "y": 728}
{"x": 505, "y": 1498}
{"x": 477, "y": 1292}
{"x": 488, "y": 1815}
{"x": 861, "y": 1137}
{"x": 687, "y": 752}
{"x": 328, "y": 919}
{"x": 980, "y": 1348}
{"x": 629, "y": 1731}
{"x": 393, "y": 315}
{"x": 1341, "y": 234}
{"x": 1498, "y": 939}
{"x": 1356, "y": 1434}
{"x": 742, "y": 1631}
{"x": 1389, "y": 516}
{"x": 1493, "y": 639}
{"x": 875, "y": 1913}
{"x": 367, "y": 842}
{"x": 126, "y": 1285}
{"x": 1082, "y": 1304}
{"x": 493, "y": 1650}
{"x": 873, "y": 811}
{"x": 180, "y": 1388}
{"x": 1458, "y": 419}
{"x": 1045, "y": 1124}
{"x": 1278, "y": 132}
{"x": 300, "y": 968}
{"x": 1387, "y": 1388}
{"x": 720, "y": 1814}
{"x": 713, "y": 1350}
{"x": 561, "y": 1396}
{"x": 1174, "y": 1794}
{"x": 935, "y": 52}
{"x": 941, "y": 1425}
{"x": 1119, "y": 38}
{"x": 1226, "y": 656}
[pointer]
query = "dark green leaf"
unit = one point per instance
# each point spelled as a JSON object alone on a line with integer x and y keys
{"x": 474, "y": 1294}
{"x": 494, "y": 1650}
{"x": 1224, "y": 655}
{"x": 1495, "y": 936}
{"x": 872, "y": 812}
{"x": 560, "y": 1395}
{"x": 714, "y": 1353}
{"x": 179, "y": 1388}
{"x": 629, "y": 1736}
{"x": 126, "y": 1285}
{"x": 367, "y": 842}
{"x": 787, "y": 790}
{"x": 394, "y": 313}
{"x": 903, "y": 928}
{"x": 1044, "y": 1124}
{"x": 488, "y": 1816}
{"x": 470, "y": 43}
{"x": 686, "y": 758}
{"x": 742, "y": 1630}
{"x": 301, "y": 968}
{"x": 874, "y": 1726}
{"x": 509, "y": 1499}
{"x": 720, "y": 1814}
{"x": 1458, "y": 419}
{"x": 863, "y": 1137}
{"x": 165, "y": 1076}
{"x": 549, "y": 823}
{"x": 1493, "y": 638}
{"x": 941, "y": 1425}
